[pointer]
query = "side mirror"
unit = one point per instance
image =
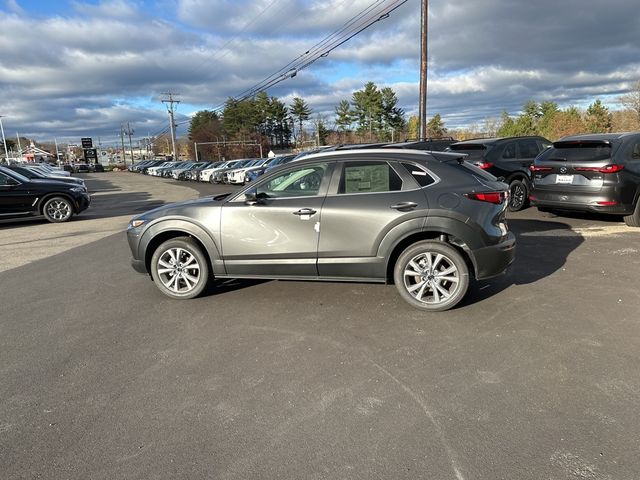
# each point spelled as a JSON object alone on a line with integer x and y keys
{"x": 251, "y": 197}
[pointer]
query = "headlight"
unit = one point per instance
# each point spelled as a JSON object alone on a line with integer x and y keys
{"x": 79, "y": 189}
{"x": 136, "y": 223}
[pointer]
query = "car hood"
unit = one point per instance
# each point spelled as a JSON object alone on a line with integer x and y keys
{"x": 185, "y": 208}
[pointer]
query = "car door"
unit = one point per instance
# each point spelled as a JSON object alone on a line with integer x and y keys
{"x": 273, "y": 231}
{"x": 15, "y": 198}
{"x": 370, "y": 198}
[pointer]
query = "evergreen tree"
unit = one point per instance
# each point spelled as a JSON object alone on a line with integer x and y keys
{"x": 367, "y": 109}
{"x": 435, "y": 126}
{"x": 301, "y": 112}
{"x": 598, "y": 118}
{"x": 344, "y": 116}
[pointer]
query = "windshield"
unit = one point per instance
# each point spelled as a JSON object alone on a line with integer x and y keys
{"x": 581, "y": 151}
{"x": 16, "y": 175}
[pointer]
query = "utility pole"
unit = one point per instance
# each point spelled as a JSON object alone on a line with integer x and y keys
{"x": 57, "y": 153}
{"x": 124, "y": 157}
{"x": 129, "y": 133}
{"x": 169, "y": 102}
{"x": 19, "y": 146}
{"x": 4, "y": 142}
{"x": 424, "y": 16}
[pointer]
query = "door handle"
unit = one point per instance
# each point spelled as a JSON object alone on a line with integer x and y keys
{"x": 305, "y": 211}
{"x": 404, "y": 206}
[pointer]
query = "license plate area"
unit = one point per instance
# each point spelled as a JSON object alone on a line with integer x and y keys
{"x": 564, "y": 179}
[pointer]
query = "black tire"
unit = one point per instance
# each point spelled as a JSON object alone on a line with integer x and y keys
{"x": 518, "y": 195}
{"x": 633, "y": 220}
{"x": 177, "y": 280}
{"x": 211, "y": 180}
{"x": 57, "y": 209}
{"x": 431, "y": 299}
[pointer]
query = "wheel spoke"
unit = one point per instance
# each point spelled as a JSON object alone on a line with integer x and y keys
{"x": 437, "y": 261}
{"x": 187, "y": 282}
{"x": 447, "y": 271}
{"x": 164, "y": 264}
{"x": 421, "y": 292}
{"x": 411, "y": 273}
{"x": 162, "y": 271}
{"x": 414, "y": 265}
{"x": 448, "y": 279}
{"x": 445, "y": 293}
{"x": 436, "y": 295}
{"x": 189, "y": 261}
{"x": 415, "y": 287}
{"x": 191, "y": 278}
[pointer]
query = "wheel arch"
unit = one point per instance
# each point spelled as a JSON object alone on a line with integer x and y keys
{"x": 451, "y": 236}
{"x": 160, "y": 232}
{"x": 48, "y": 196}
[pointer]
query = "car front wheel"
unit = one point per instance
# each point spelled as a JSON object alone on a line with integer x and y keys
{"x": 57, "y": 210}
{"x": 180, "y": 268}
{"x": 431, "y": 276}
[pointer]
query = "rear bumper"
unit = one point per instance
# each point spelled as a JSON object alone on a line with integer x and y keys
{"x": 582, "y": 201}
{"x": 494, "y": 260}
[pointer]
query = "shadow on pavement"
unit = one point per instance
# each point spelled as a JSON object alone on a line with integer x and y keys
{"x": 542, "y": 249}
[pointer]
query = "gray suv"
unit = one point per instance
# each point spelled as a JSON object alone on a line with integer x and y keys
{"x": 424, "y": 220}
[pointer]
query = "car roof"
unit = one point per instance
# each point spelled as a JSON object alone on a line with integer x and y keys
{"x": 493, "y": 140}
{"x": 599, "y": 136}
{"x": 381, "y": 152}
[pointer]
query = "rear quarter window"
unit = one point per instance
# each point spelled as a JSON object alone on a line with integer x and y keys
{"x": 419, "y": 175}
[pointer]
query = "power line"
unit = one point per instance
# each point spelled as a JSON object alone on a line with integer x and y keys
{"x": 324, "y": 47}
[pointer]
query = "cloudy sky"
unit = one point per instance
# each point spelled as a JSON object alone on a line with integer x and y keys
{"x": 71, "y": 68}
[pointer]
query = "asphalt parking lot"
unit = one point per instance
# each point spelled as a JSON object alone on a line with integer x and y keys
{"x": 534, "y": 376}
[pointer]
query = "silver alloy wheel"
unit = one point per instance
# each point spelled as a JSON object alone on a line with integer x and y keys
{"x": 178, "y": 270}
{"x": 431, "y": 278}
{"x": 59, "y": 210}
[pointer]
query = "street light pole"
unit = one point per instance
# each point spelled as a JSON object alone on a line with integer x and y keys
{"x": 4, "y": 142}
{"x": 424, "y": 16}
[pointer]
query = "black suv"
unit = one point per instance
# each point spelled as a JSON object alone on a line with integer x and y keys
{"x": 597, "y": 173}
{"x": 424, "y": 220}
{"x": 508, "y": 158}
{"x": 23, "y": 197}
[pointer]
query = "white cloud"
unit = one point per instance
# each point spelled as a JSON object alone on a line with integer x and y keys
{"x": 108, "y": 62}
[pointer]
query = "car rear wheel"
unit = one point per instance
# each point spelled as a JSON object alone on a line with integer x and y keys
{"x": 518, "y": 195}
{"x": 431, "y": 276}
{"x": 180, "y": 268}
{"x": 57, "y": 210}
{"x": 633, "y": 220}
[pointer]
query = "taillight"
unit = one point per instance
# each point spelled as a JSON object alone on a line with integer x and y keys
{"x": 536, "y": 168}
{"x": 491, "y": 197}
{"x": 614, "y": 168}
{"x": 607, "y": 204}
{"x": 484, "y": 165}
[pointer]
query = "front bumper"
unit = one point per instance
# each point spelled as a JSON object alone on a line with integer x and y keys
{"x": 495, "y": 259}
{"x": 83, "y": 202}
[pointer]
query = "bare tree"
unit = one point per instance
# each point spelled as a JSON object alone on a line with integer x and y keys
{"x": 631, "y": 101}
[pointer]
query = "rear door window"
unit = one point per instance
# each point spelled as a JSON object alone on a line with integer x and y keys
{"x": 528, "y": 149}
{"x": 509, "y": 151}
{"x": 369, "y": 177}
